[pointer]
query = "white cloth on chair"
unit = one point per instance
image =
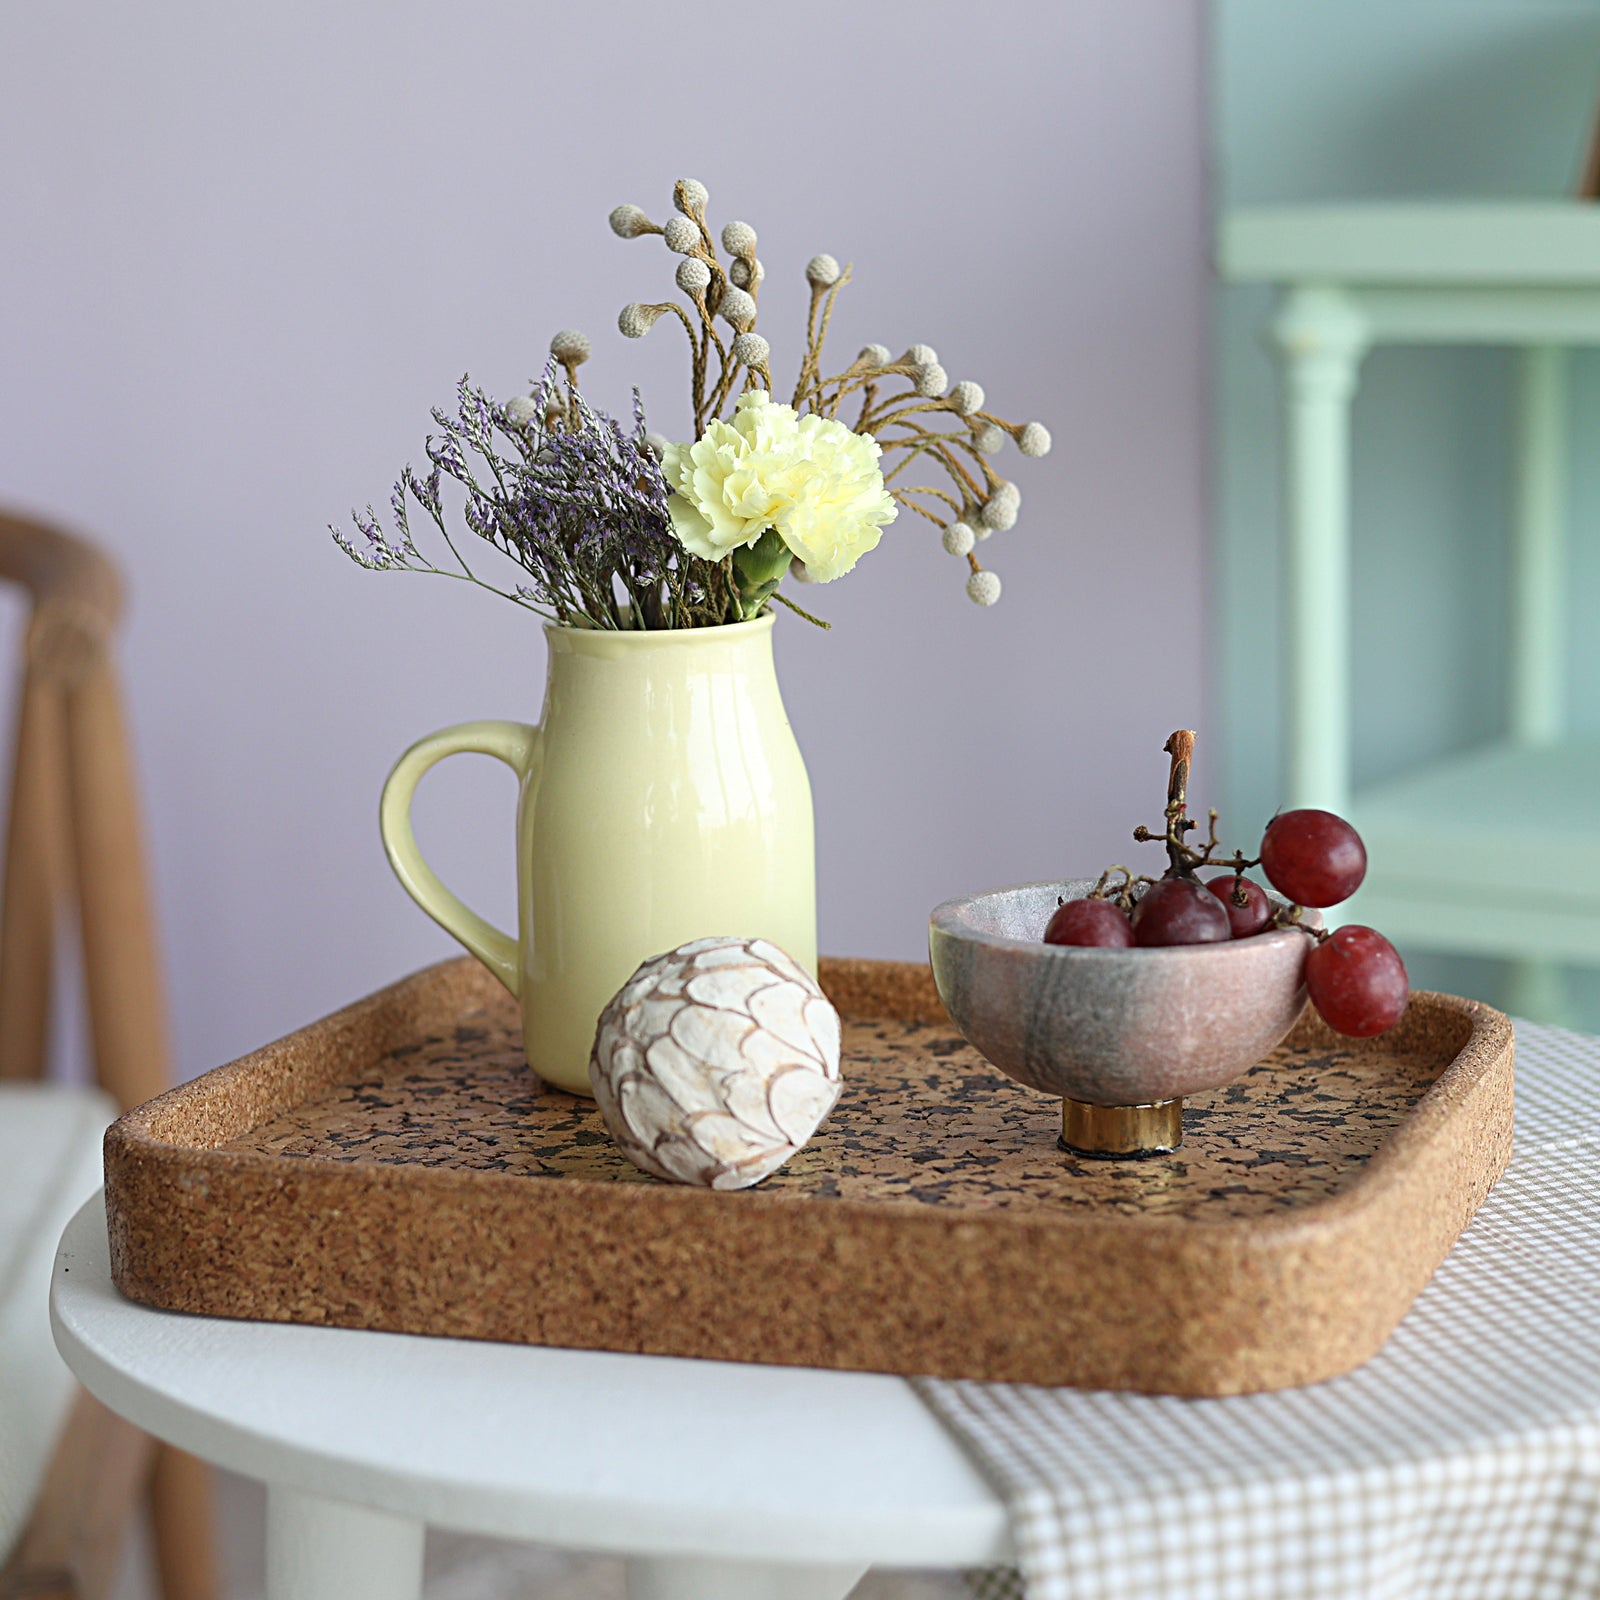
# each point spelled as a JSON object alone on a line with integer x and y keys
{"x": 49, "y": 1165}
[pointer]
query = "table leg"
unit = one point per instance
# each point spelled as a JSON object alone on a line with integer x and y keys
{"x": 321, "y": 1549}
{"x": 698, "y": 1578}
{"x": 1321, "y": 338}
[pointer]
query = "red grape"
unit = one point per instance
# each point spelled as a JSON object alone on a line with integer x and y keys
{"x": 1253, "y": 915}
{"x": 1179, "y": 911}
{"x": 1090, "y": 922}
{"x": 1313, "y": 857}
{"x": 1357, "y": 982}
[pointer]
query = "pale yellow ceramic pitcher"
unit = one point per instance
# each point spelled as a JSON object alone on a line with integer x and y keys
{"x": 663, "y": 798}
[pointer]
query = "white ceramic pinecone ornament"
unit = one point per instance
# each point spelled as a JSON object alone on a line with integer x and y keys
{"x": 716, "y": 1062}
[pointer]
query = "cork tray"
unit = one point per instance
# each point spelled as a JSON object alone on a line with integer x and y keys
{"x": 397, "y": 1166}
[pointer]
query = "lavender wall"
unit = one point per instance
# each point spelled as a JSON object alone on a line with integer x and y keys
{"x": 245, "y": 248}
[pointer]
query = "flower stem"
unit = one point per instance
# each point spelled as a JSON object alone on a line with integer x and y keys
{"x": 784, "y": 600}
{"x": 758, "y": 569}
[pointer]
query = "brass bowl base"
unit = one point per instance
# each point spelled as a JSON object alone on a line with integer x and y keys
{"x": 1112, "y": 1133}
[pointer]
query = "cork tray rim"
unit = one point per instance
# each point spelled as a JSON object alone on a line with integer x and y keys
{"x": 1060, "y": 1284}
{"x": 1488, "y": 1038}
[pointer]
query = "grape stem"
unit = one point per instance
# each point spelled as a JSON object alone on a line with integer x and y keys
{"x": 1183, "y": 861}
{"x": 1180, "y": 746}
{"x": 1120, "y": 894}
{"x": 1289, "y": 917}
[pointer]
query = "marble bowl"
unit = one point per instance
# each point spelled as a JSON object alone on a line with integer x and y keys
{"x": 1110, "y": 1027}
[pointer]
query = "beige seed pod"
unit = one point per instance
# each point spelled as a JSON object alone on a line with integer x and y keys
{"x": 693, "y": 275}
{"x": 822, "y": 271}
{"x": 629, "y": 222}
{"x": 931, "y": 380}
{"x": 988, "y": 438}
{"x": 745, "y": 274}
{"x": 966, "y": 397}
{"x": 716, "y": 1062}
{"x": 570, "y": 347}
{"x": 521, "y": 411}
{"x": 739, "y": 239}
{"x": 634, "y": 321}
{"x": 800, "y": 572}
{"x": 1000, "y": 510}
{"x": 752, "y": 350}
{"x": 656, "y": 444}
{"x": 983, "y": 588}
{"x": 919, "y": 355}
{"x": 690, "y": 196}
{"x": 873, "y": 355}
{"x": 680, "y": 235}
{"x": 959, "y": 539}
{"x": 738, "y": 310}
{"x": 1034, "y": 440}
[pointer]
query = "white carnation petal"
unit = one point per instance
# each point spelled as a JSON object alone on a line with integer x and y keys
{"x": 692, "y": 529}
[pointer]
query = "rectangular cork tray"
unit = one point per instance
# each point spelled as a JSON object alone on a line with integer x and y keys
{"x": 397, "y": 1166}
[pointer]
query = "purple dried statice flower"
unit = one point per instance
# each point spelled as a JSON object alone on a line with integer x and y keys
{"x": 572, "y": 497}
{"x": 368, "y": 525}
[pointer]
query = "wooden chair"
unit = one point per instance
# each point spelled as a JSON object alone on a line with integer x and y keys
{"x": 74, "y": 843}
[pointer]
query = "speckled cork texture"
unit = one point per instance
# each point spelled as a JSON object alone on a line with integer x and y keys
{"x": 397, "y": 1166}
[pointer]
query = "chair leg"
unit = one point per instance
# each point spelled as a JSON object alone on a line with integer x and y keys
{"x": 74, "y": 1535}
{"x": 37, "y": 857}
{"x": 122, "y": 973}
{"x": 183, "y": 1525}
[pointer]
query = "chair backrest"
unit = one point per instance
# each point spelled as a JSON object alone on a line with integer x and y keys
{"x": 74, "y": 839}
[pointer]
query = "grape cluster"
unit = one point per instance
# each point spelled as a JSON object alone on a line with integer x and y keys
{"x": 1354, "y": 977}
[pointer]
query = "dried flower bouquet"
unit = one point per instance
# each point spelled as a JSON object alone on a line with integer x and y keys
{"x": 615, "y": 527}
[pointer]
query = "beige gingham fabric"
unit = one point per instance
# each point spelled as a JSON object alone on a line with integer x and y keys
{"x": 1461, "y": 1463}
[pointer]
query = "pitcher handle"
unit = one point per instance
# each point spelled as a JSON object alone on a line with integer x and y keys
{"x": 515, "y": 743}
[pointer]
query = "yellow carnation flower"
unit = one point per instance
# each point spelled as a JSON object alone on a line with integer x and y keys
{"x": 809, "y": 478}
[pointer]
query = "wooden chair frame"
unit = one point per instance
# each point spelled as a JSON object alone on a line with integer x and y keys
{"x": 74, "y": 842}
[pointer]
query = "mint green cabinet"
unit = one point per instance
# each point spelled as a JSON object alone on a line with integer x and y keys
{"x": 1490, "y": 852}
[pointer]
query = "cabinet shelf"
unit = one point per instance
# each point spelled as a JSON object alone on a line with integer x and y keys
{"x": 1489, "y": 851}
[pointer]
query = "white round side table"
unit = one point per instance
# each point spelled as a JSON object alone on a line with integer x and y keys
{"x": 717, "y": 1481}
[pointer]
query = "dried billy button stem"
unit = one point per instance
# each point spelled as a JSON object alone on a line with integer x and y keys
{"x": 906, "y": 403}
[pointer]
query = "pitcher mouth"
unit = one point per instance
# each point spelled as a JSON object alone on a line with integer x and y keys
{"x": 604, "y": 640}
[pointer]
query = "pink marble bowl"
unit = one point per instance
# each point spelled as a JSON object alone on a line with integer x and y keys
{"x": 1110, "y": 1027}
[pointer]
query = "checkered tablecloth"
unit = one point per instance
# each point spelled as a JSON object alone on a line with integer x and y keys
{"x": 1463, "y": 1461}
